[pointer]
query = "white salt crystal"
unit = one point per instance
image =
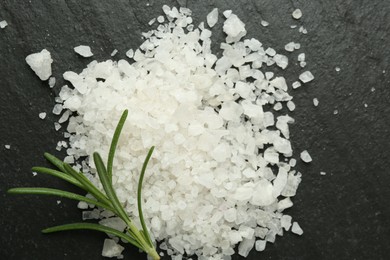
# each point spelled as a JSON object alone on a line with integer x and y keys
{"x": 292, "y": 162}
{"x": 306, "y": 77}
{"x": 69, "y": 159}
{"x": 114, "y": 52}
{"x": 151, "y": 22}
{"x": 34, "y": 174}
{"x": 305, "y": 156}
{"x": 234, "y": 28}
{"x": 284, "y": 204}
{"x": 57, "y": 126}
{"x": 323, "y": 173}
{"x": 337, "y": 69}
{"x": 365, "y": 105}
{"x": 3, "y": 24}
{"x": 281, "y": 60}
{"x": 335, "y": 112}
{"x": 57, "y": 109}
{"x": 130, "y": 53}
{"x": 40, "y": 63}
{"x": 160, "y": 19}
{"x": 278, "y": 106}
{"x": 230, "y": 215}
{"x": 285, "y": 222}
{"x": 111, "y": 248}
{"x": 83, "y": 50}
{"x": 52, "y": 82}
{"x": 58, "y": 202}
{"x": 297, "y": 14}
{"x": 301, "y": 57}
{"x": 315, "y": 102}
{"x": 212, "y": 17}
{"x": 260, "y": 245}
{"x": 42, "y": 115}
{"x": 290, "y": 105}
{"x": 270, "y": 51}
{"x": 227, "y": 13}
{"x": 302, "y": 64}
{"x": 290, "y": 46}
{"x": 296, "y": 84}
{"x": 296, "y": 229}
{"x": 264, "y": 23}
{"x": 7, "y": 146}
{"x": 372, "y": 89}
{"x": 245, "y": 247}
{"x": 302, "y": 30}
{"x": 82, "y": 205}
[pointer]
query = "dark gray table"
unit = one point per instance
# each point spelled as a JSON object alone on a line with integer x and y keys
{"x": 345, "y": 214}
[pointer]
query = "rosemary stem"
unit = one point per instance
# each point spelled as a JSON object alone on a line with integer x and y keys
{"x": 150, "y": 250}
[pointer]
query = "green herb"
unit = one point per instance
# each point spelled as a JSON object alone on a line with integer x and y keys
{"x": 107, "y": 200}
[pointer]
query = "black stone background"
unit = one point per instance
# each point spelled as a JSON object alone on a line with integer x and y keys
{"x": 345, "y": 214}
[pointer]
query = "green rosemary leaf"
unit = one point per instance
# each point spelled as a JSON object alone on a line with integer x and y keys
{"x": 92, "y": 226}
{"x": 55, "y": 161}
{"x": 58, "y": 174}
{"x": 139, "y": 198}
{"x": 114, "y": 143}
{"x": 88, "y": 186}
{"x": 107, "y": 186}
{"x": 56, "y": 192}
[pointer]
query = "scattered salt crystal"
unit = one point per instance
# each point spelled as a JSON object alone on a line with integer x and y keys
{"x": 278, "y": 106}
{"x": 335, "y": 112}
{"x": 151, "y": 22}
{"x": 365, "y": 105}
{"x": 315, "y": 102}
{"x": 57, "y": 109}
{"x": 297, "y": 46}
{"x": 69, "y": 159}
{"x": 264, "y": 23}
{"x": 337, "y": 69}
{"x": 40, "y": 63}
{"x": 52, "y": 82}
{"x": 58, "y": 202}
{"x": 57, "y": 126}
{"x": 82, "y": 205}
{"x": 285, "y": 222}
{"x": 290, "y": 46}
{"x": 292, "y": 162}
{"x": 291, "y": 105}
{"x": 296, "y": 84}
{"x": 7, "y": 146}
{"x": 227, "y": 13}
{"x": 130, "y": 53}
{"x": 3, "y": 24}
{"x": 293, "y": 26}
{"x": 83, "y": 50}
{"x": 372, "y": 89}
{"x": 296, "y": 229}
{"x": 297, "y": 14}
{"x": 306, "y": 76}
{"x": 42, "y": 115}
{"x": 305, "y": 156}
{"x": 234, "y": 28}
{"x": 302, "y": 30}
{"x": 271, "y": 52}
{"x": 260, "y": 245}
{"x": 323, "y": 173}
{"x": 212, "y": 17}
{"x": 114, "y": 52}
{"x": 281, "y": 60}
{"x": 160, "y": 19}
{"x": 34, "y": 174}
{"x": 111, "y": 248}
{"x": 301, "y": 57}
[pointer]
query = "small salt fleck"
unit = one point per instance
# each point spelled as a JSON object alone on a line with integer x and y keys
{"x": 292, "y": 162}
{"x": 306, "y": 76}
{"x": 114, "y": 52}
{"x": 301, "y": 57}
{"x": 34, "y": 174}
{"x": 111, "y": 248}
{"x": 337, "y": 69}
{"x": 315, "y": 102}
{"x": 365, "y": 105}
{"x": 83, "y": 50}
{"x": 271, "y": 52}
{"x": 42, "y": 115}
{"x": 290, "y": 47}
{"x": 372, "y": 89}
{"x": 130, "y": 53}
{"x": 264, "y": 23}
{"x": 383, "y": 71}
{"x": 151, "y": 22}
{"x": 335, "y": 112}
{"x": 296, "y": 229}
{"x": 305, "y": 156}
{"x": 160, "y": 19}
{"x": 3, "y": 24}
{"x": 293, "y": 26}
{"x": 290, "y": 105}
{"x": 40, "y": 63}
{"x": 7, "y": 146}
{"x": 297, "y": 14}
{"x": 58, "y": 202}
{"x": 296, "y": 84}
{"x": 323, "y": 173}
{"x": 212, "y": 17}
{"x": 52, "y": 82}
{"x": 57, "y": 126}
{"x": 302, "y": 30}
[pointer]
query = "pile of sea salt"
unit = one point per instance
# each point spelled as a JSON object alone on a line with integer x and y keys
{"x": 221, "y": 174}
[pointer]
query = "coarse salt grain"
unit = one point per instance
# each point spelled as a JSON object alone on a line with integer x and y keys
{"x": 83, "y": 50}
{"x": 297, "y": 14}
{"x": 305, "y": 156}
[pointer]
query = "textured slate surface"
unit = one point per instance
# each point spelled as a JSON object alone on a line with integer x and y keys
{"x": 345, "y": 214}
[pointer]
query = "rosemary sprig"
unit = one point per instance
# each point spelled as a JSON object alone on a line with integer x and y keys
{"x": 107, "y": 199}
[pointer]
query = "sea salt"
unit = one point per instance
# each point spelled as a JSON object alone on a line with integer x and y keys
{"x": 42, "y": 115}
{"x": 3, "y": 24}
{"x": 40, "y": 63}
{"x": 315, "y": 102}
{"x": 111, "y": 248}
{"x": 212, "y": 17}
{"x": 305, "y": 156}
{"x": 297, "y": 14}
{"x": 7, "y": 146}
{"x": 296, "y": 229}
{"x": 306, "y": 77}
{"x": 83, "y": 50}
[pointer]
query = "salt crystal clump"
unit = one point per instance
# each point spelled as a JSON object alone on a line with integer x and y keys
{"x": 40, "y": 63}
{"x": 217, "y": 170}
{"x": 83, "y": 50}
